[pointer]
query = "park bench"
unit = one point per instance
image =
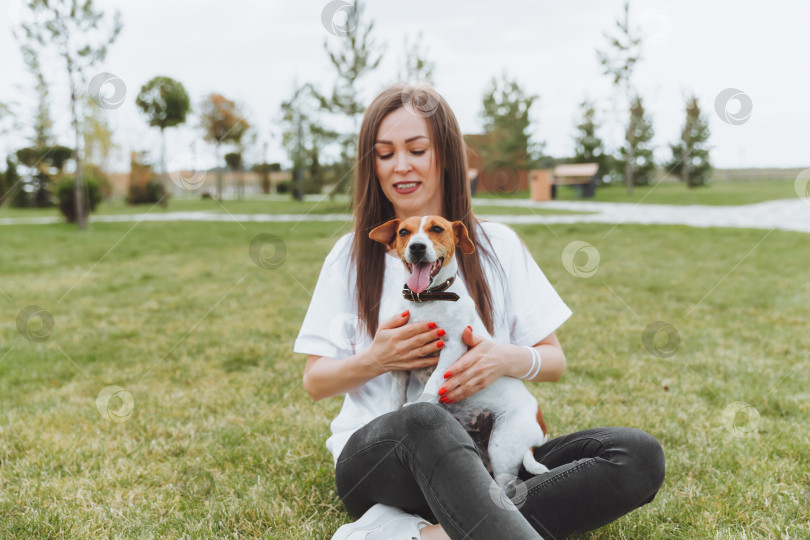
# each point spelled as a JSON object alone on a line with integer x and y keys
{"x": 543, "y": 183}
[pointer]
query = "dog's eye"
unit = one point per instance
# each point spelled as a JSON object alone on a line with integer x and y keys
{"x": 437, "y": 229}
{"x": 404, "y": 232}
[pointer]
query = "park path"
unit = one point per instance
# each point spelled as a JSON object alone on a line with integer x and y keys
{"x": 787, "y": 214}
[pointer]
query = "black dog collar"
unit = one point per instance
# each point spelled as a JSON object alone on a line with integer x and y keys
{"x": 436, "y": 293}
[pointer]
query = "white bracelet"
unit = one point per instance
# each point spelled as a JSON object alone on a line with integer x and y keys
{"x": 534, "y": 369}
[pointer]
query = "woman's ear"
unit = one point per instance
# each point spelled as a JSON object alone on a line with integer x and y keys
{"x": 463, "y": 241}
{"x": 385, "y": 233}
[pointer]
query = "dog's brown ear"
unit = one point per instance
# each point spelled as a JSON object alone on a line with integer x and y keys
{"x": 462, "y": 238}
{"x": 385, "y": 233}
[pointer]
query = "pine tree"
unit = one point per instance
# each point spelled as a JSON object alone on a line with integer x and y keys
{"x": 357, "y": 56}
{"x": 618, "y": 62}
{"x": 637, "y": 153}
{"x": 690, "y": 156}
{"x": 588, "y": 146}
{"x": 505, "y": 118}
{"x": 417, "y": 66}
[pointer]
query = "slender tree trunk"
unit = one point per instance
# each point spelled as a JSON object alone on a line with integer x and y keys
{"x": 78, "y": 194}
{"x": 163, "y": 160}
{"x": 219, "y": 174}
{"x": 628, "y": 168}
{"x": 631, "y": 143}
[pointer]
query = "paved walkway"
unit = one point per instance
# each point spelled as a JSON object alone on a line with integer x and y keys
{"x": 787, "y": 214}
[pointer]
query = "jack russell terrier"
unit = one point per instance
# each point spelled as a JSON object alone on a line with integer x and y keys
{"x": 426, "y": 246}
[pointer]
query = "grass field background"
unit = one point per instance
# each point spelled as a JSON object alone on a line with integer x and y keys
{"x": 220, "y": 440}
{"x": 721, "y": 193}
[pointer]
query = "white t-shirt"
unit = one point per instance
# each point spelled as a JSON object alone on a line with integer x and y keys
{"x": 527, "y": 309}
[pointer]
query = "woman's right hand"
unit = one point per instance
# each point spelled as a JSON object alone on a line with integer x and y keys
{"x": 401, "y": 346}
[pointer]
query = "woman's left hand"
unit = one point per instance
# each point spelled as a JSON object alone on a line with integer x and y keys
{"x": 475, "y": 369}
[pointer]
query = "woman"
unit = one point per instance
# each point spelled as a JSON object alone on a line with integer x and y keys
{"x": 391, "y": 465}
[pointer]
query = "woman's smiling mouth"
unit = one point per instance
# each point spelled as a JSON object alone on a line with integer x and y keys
{"x": 406, "y": 187}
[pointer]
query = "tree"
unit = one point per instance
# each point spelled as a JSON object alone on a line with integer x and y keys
{"x": 505, "y": 118}
{"x": 71, "y": 28}
{"x": 357, "y": 55}
{"x": 304, "y": 136}
{"x": 417, "y": 66}
{"x": 35, "y": 189}
{"x": 165, "y": 103}
{"x": 223, "y": 122}
{"x": 588, "y": 146}
{"x": 637, "y": 153}
{"x": 618, "y": 62}
{"x": 690, "y": 156}
{"x": 98, "y": 146}
{"x": 43, "y": 124}
{"x": 9, "y": 182}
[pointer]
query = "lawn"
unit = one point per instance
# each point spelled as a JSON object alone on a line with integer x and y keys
{"x": 211, "y": 435}
{"x": 716, "y": 193}
{"x": 720, "y": 193}
{"x": 273, "y": 204}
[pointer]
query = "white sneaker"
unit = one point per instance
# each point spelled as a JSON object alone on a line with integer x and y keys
{"x": 382, "y": 522}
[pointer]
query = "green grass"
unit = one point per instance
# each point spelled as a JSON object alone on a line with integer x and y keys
{"x": 223, "y": 441}
{"x": 274, "y": 205}
{"x": 715, "y": 193}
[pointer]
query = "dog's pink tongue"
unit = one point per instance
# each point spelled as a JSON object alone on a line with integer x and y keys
{"x": 420, "y": 277}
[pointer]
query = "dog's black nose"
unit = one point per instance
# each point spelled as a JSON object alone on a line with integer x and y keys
{"x": 418, "y": 248}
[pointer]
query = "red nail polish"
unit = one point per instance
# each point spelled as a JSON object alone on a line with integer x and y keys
{"x": 447, "y": 374}
{"x": 432, "y": 325}
{"x": 405, "y": 313}
{"x": 441, "y": 332}
{"x": 444, "y": 399}
{"x": 442, "y": 391}
{"x": 470, "y": 327}
{"x": 447, "y": 400}
{"x": 440, "y": 344}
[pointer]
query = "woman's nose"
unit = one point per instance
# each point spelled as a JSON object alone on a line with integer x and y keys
{"x": 401, "y": 164}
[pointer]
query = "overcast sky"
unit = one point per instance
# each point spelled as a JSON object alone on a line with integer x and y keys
{"x": 253, "y": 51}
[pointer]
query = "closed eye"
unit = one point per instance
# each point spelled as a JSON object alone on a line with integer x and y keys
{"x": 414, "y": 152}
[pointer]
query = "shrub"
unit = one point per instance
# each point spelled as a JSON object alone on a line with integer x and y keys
{"x": 65, "y": 192}
{"x": 147, "y": 193}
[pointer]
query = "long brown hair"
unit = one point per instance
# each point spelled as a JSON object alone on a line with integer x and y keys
{"x": 371, "y": 207}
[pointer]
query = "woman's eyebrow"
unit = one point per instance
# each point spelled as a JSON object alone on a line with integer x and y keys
{"x": 409, "y": 139}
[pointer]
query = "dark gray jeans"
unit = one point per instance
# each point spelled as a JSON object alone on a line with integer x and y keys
{"x": 422, "y": 460}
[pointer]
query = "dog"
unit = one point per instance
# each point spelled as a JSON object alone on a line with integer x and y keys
{"x": 426, "y": 245}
